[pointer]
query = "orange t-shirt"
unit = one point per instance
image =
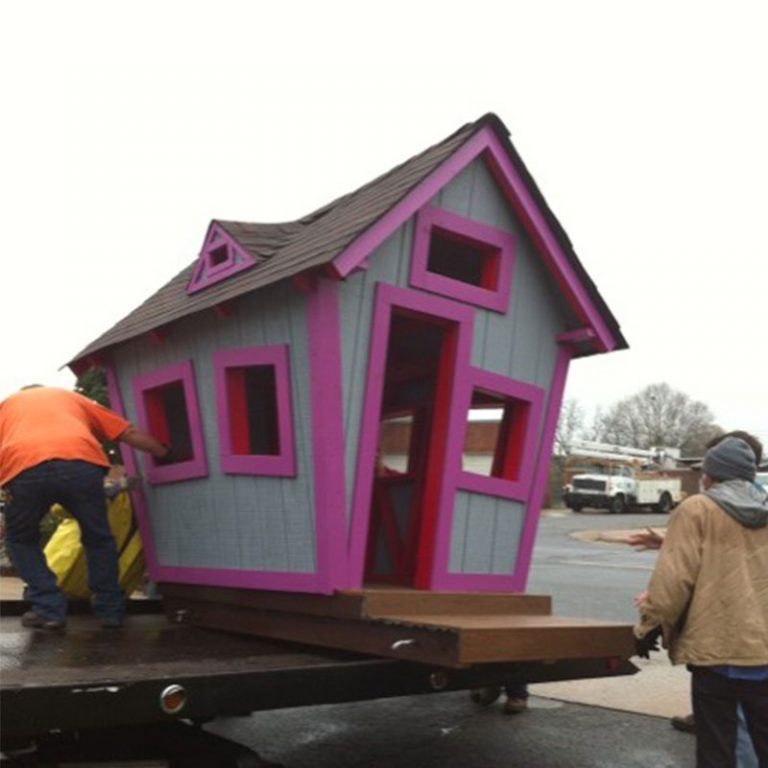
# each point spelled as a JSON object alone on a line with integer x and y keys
{"x": 45, "y": 423}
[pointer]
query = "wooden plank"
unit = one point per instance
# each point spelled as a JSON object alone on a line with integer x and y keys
{"x": 438, "y": 647}
{"x": 369, "y": 603}
{"x": 433, "y": 636}
{"x": 570, "y": 639}
{"x": 386, "y": 603}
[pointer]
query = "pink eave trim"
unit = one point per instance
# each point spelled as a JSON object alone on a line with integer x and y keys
{"x": 326, "y": 393}
{"x": 197, "y": 466}
{"x": 282, "y": 465}
{"x": 430, "y": 219}
{"x": 484, "y": 141}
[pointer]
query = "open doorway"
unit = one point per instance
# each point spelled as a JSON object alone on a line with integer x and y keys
{"x": 413, "y": 421}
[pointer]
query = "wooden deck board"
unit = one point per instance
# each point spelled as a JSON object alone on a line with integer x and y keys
{"x": 451, "y": 630}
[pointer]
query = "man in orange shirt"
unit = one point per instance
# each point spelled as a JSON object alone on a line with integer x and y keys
{"x": 50, "y": 451}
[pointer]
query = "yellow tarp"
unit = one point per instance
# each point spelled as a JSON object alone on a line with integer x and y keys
{"x": 66, "y": 556}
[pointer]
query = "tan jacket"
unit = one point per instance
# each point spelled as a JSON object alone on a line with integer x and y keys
{"x": 709, "y": 590}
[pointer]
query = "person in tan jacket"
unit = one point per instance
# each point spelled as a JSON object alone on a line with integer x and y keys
{"x": 709, "y": 596}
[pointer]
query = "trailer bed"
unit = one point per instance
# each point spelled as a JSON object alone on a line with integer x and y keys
{"x": 93, "y": 678}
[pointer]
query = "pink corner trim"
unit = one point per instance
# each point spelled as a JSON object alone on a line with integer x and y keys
{"x": 197, "y": 466}
{"x": 387, "y": 297}
{"x": 283, "y": 464}
{"x": 326, "y": 402}
{"x": 138, "y": 497}
{"x": 484, "y": 141}
{"x": 430, "y": 219}
{"x": 543, "y": 461}
{"x": 206, "y": 272}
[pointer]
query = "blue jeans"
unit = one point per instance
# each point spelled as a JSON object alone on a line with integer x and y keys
{"x": 79, "y": 487}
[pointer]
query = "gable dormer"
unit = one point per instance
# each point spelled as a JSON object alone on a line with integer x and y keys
{"x": 220, "y": 258}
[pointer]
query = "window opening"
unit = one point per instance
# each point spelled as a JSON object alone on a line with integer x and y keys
{"x": 253, "y": 401}
{"x": 462, "y": 259}
{"x": 169, "y": 419}
{"x": 218, "y": 255}
{"x": 253, "y": 410}
{"x": 496, "y": 429}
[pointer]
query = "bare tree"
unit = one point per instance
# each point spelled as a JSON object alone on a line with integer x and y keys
{"x": 656, "y": 416}
{"x": 569, "y": 426}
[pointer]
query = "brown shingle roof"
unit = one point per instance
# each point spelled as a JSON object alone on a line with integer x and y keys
{"x": 287, "y": 249}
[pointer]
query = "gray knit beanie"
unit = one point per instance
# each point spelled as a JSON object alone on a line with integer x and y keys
{"x": 730, "y": 459}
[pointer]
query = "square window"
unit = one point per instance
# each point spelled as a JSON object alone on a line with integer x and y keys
{"x": 254, "y": 409}
{"x": 501, "y": 436}
{"x": 167, "y": 405}
{"x": 495, "y": 435}
{"x": 462, "y": 258}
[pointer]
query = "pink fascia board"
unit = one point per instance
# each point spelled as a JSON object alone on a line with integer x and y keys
{"x": 431, "y": 218}
{"x": 282, "y": 465}
{"x": 138, "y": 497}
{"x": 387, "y": 297}
{"x": 205, "y": 272}
{"x": 198, "y": 465}
{"x": 519, "y": 390}
{"x": 327, "y": 418}
{"x": 487, "y": 143}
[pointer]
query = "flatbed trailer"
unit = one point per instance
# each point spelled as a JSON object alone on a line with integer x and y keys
{"x": 91, "y": 693}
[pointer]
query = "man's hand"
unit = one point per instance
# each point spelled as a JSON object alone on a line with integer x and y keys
{"x": 644, "y": 645}
{"x": 647, "y": 539}
{"x": 167, "y": 457}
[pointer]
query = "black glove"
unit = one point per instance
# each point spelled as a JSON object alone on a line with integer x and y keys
{"x": 167, "y": 458}
{"x": 644, "y": 645}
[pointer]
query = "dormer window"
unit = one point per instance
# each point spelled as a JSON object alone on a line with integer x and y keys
{"x": 462, "y": 258}
{"x": 220, "y": 258}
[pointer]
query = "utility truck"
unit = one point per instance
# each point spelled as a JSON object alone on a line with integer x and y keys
{"x": 620, "y": 478}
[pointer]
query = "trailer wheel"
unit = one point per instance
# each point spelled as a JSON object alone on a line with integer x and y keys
{"x": 618, "y": 504}
{"x": 665, "y": 504}
{"x": 576, "y": 507}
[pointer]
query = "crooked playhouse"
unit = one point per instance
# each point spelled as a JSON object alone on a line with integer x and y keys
{"x": 274, "y": 364}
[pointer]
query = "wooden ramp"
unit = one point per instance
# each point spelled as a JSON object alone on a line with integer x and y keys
{"x": 452, "y": 630}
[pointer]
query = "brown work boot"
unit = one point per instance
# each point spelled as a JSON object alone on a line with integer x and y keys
{"x": 515, "y": 706}
{"x": 32, "y": 620}
{"x": 683, "y": 723}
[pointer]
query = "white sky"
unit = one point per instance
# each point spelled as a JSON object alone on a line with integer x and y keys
{"x": 126, "y": 127}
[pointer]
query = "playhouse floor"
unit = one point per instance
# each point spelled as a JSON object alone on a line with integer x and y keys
{"x": 449, "y": 629}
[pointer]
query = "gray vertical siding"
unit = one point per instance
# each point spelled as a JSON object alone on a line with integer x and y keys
{"x": 485, "y": 534}
{"x": 239, "y": 522}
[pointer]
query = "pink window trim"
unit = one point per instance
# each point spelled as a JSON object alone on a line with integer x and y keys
{"x": 205, "y": 273}
{"x": 431, "y": 218}
{"x": 282, "y": 464}
{"x": 533, "y": 396}
{"x": 387, "y": 297}
{"x": 197, "y": 466}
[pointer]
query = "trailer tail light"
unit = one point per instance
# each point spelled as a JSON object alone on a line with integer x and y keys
{"x": 173, "y": 699}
